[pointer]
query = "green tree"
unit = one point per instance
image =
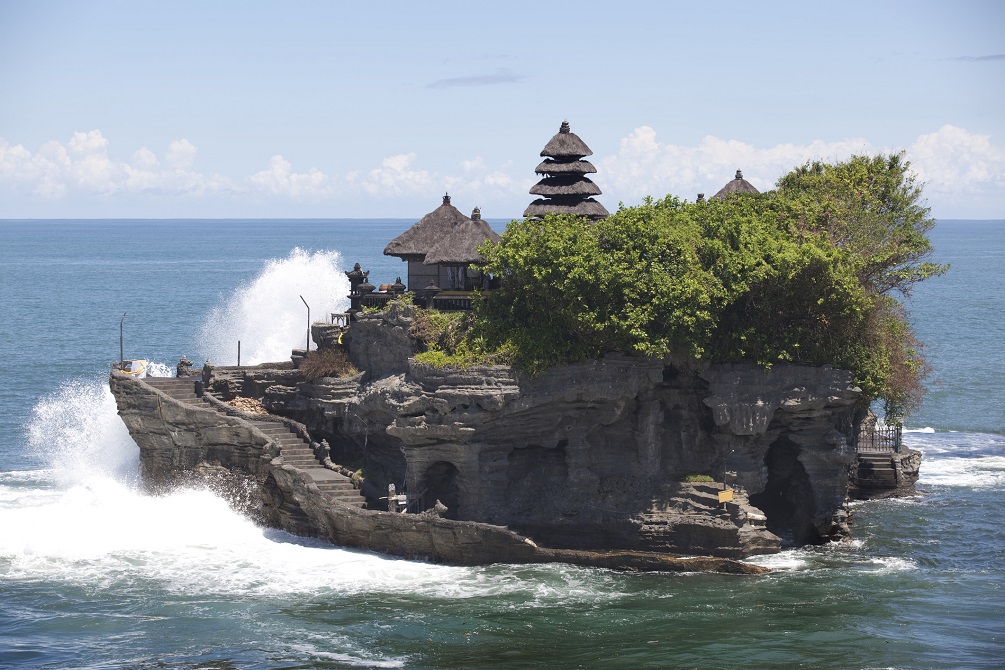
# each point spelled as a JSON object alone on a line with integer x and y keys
{"x": 871, "y": 206}
{"x": 811, "y": 273}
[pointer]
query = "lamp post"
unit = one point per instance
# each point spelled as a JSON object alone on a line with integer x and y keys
{"x": 308, "y": 322}
{"x": 121, "y": 355}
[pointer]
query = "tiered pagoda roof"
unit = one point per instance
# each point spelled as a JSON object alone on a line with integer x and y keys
{"x": 565, "y": 187}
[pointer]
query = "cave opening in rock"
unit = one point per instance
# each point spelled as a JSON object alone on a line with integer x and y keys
{"x": 440, "y": 483}
{"x": 536, "y": 477}
{"x": 787, "y": 498}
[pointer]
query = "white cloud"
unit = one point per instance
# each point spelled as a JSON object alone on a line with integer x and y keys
{"x": 476, "y": 163}
{"x": 91, "y": 142}
{"x": 644, "y": 166}
{"x": 964, "y": 174}
{"x": 181, "y": 154}
{"x": 956, "y": 162}
{"x": 280, "y": 179}
{"x": 83, "y": 166}
{"x": 144, "y": 159}
{"x": 953, "y": 163}
{"x": 482, "y": 183}
{"x": 396, "y": 177}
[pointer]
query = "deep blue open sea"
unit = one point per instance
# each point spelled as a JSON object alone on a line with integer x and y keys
{"x": 95, "y": 574}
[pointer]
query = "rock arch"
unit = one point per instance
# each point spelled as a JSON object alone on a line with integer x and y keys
{"x": 440, "y": 482}
{"x": 787, "y": 499}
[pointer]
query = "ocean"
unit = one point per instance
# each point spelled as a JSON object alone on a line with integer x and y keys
{"x": 96, "y": 574}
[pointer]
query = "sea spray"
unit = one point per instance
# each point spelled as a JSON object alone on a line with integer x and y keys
{"x": 84, "y": 521}
{"x": 155, "y": 369}
{"x": 77, "y": 432}
{"x": 267, "y": 315}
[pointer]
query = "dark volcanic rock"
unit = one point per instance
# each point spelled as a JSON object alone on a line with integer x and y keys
{"x": 182, "y": 442}
{"x": 591, "y": 457}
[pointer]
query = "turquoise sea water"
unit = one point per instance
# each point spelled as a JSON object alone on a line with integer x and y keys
{"x": 95, "y": 574}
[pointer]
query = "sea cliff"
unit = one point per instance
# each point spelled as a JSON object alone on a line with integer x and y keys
{"x": 620, "y": 454}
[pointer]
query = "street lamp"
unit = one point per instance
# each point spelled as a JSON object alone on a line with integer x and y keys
{"x": 308, "y": 322}
{"x": 121, "y": 355}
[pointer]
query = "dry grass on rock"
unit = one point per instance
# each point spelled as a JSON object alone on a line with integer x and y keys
{"x": 250, "y": 405}
{"x": 326, "y": 363}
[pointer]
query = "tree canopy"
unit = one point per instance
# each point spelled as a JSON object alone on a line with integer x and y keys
{"x": 813, "y": 272}
{"x": 870, "y": 206}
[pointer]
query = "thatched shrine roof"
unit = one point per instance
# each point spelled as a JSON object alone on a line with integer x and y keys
{"x": 549, "y": 166}
{"x": 566, "y": 185}
{"x": 460, "y": 246}
{"x": 427, "y": 233}
{"x": 735, "y": 186}
{"x": 566, "y": 144}
{"x": 588, "y": 207}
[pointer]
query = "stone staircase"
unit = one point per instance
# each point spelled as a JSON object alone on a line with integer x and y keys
{"x": 182, "y": 389}
{"x": 296, "y": 452}
{"x": 876, "y": 471}
{"x": 293, "y": 448}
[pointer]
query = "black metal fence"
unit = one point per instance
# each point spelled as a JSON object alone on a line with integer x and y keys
{"x": 376, "y": 300}
{"x": 453, "y": 301}
{"x": 883, "y": 439}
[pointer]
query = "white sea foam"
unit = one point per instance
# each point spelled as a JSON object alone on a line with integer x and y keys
{"x": 267, "y": 315}
{"x": 77, "y": 432}
{"x": 981, "y": 472}
{"x": 318, "y": 649}
{"x": 790, "y": 559}
{"x": 190, "y": 541}
{"x": 887, "y": 564}
{"x": 835, "y": 555}
{"x": 84, "y": 520}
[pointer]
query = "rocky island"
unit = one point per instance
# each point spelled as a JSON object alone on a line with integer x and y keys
{"x": 632, "y": 458}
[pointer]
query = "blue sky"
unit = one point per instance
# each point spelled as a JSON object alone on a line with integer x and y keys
{"x": 326, "y": 109}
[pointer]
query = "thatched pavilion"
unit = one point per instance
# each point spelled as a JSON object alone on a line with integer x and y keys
{"x": 565, "y": 187}
{"x": 739, "y": 185}
{"x": 441, "y": 246}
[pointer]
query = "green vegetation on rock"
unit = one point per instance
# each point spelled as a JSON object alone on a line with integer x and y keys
{"x": 450, "y": 342}
{"x": 812, "y": 273}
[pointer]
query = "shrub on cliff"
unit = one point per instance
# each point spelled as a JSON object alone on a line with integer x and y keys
{"x": 326, "y": 363}
{"x": 809, "y": 273}
{"x": 449, "y": 342}
{"x": 872, "y": 208}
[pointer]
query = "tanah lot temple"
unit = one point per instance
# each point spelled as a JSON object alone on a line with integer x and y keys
{"x": 441, "y": 249}
{"x": 618, "y": 462}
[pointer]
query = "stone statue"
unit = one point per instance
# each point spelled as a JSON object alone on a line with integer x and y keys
{"x": 207, "y": 373}
{"x": 184, "y": 368}
{"x": 323, "y": 453}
